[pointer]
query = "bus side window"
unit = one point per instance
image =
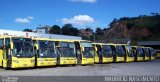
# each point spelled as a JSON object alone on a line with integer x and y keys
{"x": 113, "y": 50}
{"x": 8, "y": 51}
{"x": 57, "y": 43}
{"x": 34, "y": 42}
{"x": 7, "y": 43}
{"x": 77, "y": 44}
{"x": 99, "y": 48}
{"x": 1, "y": 43}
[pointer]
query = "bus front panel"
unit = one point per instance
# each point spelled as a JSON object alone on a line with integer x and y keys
{"x": 22, "y": 62}
{"x": 146, "y": 54}
{"x": 107, "y": 54}
{"x": 67, "y": 53}
{"x": 46, "y": 53}
{"x": 120, "y": 53}
{"x": 140, "y": 54}
{"x": 88, "y": 56}
{"x": 17, "y": 52}
{"x": 129, "y": 57}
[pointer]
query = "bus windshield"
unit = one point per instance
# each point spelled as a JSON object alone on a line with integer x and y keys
{"x": 107, "y": 51}
{"x": 88, "y": 52}
{"x": 120, "y": 51}
{"x": 67, "y": 49}
{"x": 130, "y": 51}
{"x": 147, "y": 53}
{"x": 88, "y": 49}
{"x": 47, "y": 49}
{"x": 23, "y": 47}
{"x": 153, "y": 52}
{"x": 140, "y": 52}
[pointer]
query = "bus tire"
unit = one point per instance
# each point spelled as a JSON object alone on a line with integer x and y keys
{"x": 73, "y": 64}
{"x": 114, "y": 60}
{"x": 4, "y": 67}
{"x": 125, "y": 59}
{"x": 79, "y": 61}
{"x": 1, "y": 64}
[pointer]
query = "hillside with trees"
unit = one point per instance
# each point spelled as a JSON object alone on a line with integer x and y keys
{"x": 138, "y": 28}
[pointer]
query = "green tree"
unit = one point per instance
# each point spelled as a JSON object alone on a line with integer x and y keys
{"x": 55, "y": 29}
{"x": 28, "y": 30}
{"x": 68, "y": 29}
{"x": 89, "y": 29}
{"x": 99, "y": 31}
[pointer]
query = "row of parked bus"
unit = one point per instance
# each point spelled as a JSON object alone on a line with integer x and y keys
{"x": 22, "y": 52}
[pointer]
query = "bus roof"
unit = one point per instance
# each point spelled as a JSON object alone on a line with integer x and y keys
{"x": 137, "y": 46}
{"x": 103, "y": 43}
{"x": 81, "y": 40}
{"x": 47, "y": 39}
{"x": 63, "y": 40}
{"x": 6, "y": 36}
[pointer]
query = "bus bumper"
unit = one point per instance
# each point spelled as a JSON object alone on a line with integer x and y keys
{"x": 107, "y": 60}
{"x": 139, "y": 58}
{"x": 46, "y": 61}
{"x": 152, "y": 58}
{"x": 68, "y": 61}
{"x": 120, "y": 59}
{"x": 22, "y": 62}
{"x": 146, "y": 58}
{"x": 86, "y": 61}
{"x": 130, "y": 59}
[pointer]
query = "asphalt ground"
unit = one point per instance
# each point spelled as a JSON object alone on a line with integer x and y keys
{"x": 149, "y": 68}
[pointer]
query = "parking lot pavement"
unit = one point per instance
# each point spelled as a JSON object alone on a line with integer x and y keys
{"x": 150, "y": 68}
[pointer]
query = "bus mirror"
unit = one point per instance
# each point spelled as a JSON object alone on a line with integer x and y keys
{"x": 82, "y": 48}
{"x": 11, "y": 45}
{"x": 36, "y": 46}
{"x": 95, "y": 48}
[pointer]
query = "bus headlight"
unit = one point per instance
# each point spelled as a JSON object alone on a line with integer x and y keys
{"x": 16, "y": 61}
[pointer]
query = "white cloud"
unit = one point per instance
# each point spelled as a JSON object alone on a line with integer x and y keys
{"x": 85, "y": 1}
{"x": 24, "y": 20}
{"x": 80, "y": 20}
{"x": 30, "y": 17}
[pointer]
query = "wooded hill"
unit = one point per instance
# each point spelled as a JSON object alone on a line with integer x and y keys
{"x": 136, "y": 28}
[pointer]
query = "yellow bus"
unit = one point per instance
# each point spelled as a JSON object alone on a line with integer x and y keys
{"x": 153, "y": 53}
{"x": 146, "y": 53}
{"x": 46, "y": 54}
{"x": 128, "y": 53}
{"x": 66, "y": 52}
{"x": 103, "y": 53}
{"x": 138, "y": 53}
{"x": 158, "y": 54}
{"x": 84, "y": 52}
{"x": 16, "y": 52}
{"x": 118, "y": 53}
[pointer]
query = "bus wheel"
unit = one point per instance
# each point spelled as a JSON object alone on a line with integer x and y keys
{"x": 73, "y": 64}
{"x": 79, "y": 62}
{"x": 4, "y": 67}
{"x": 125, "y": 60}
{"x": 114, "y": 60}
